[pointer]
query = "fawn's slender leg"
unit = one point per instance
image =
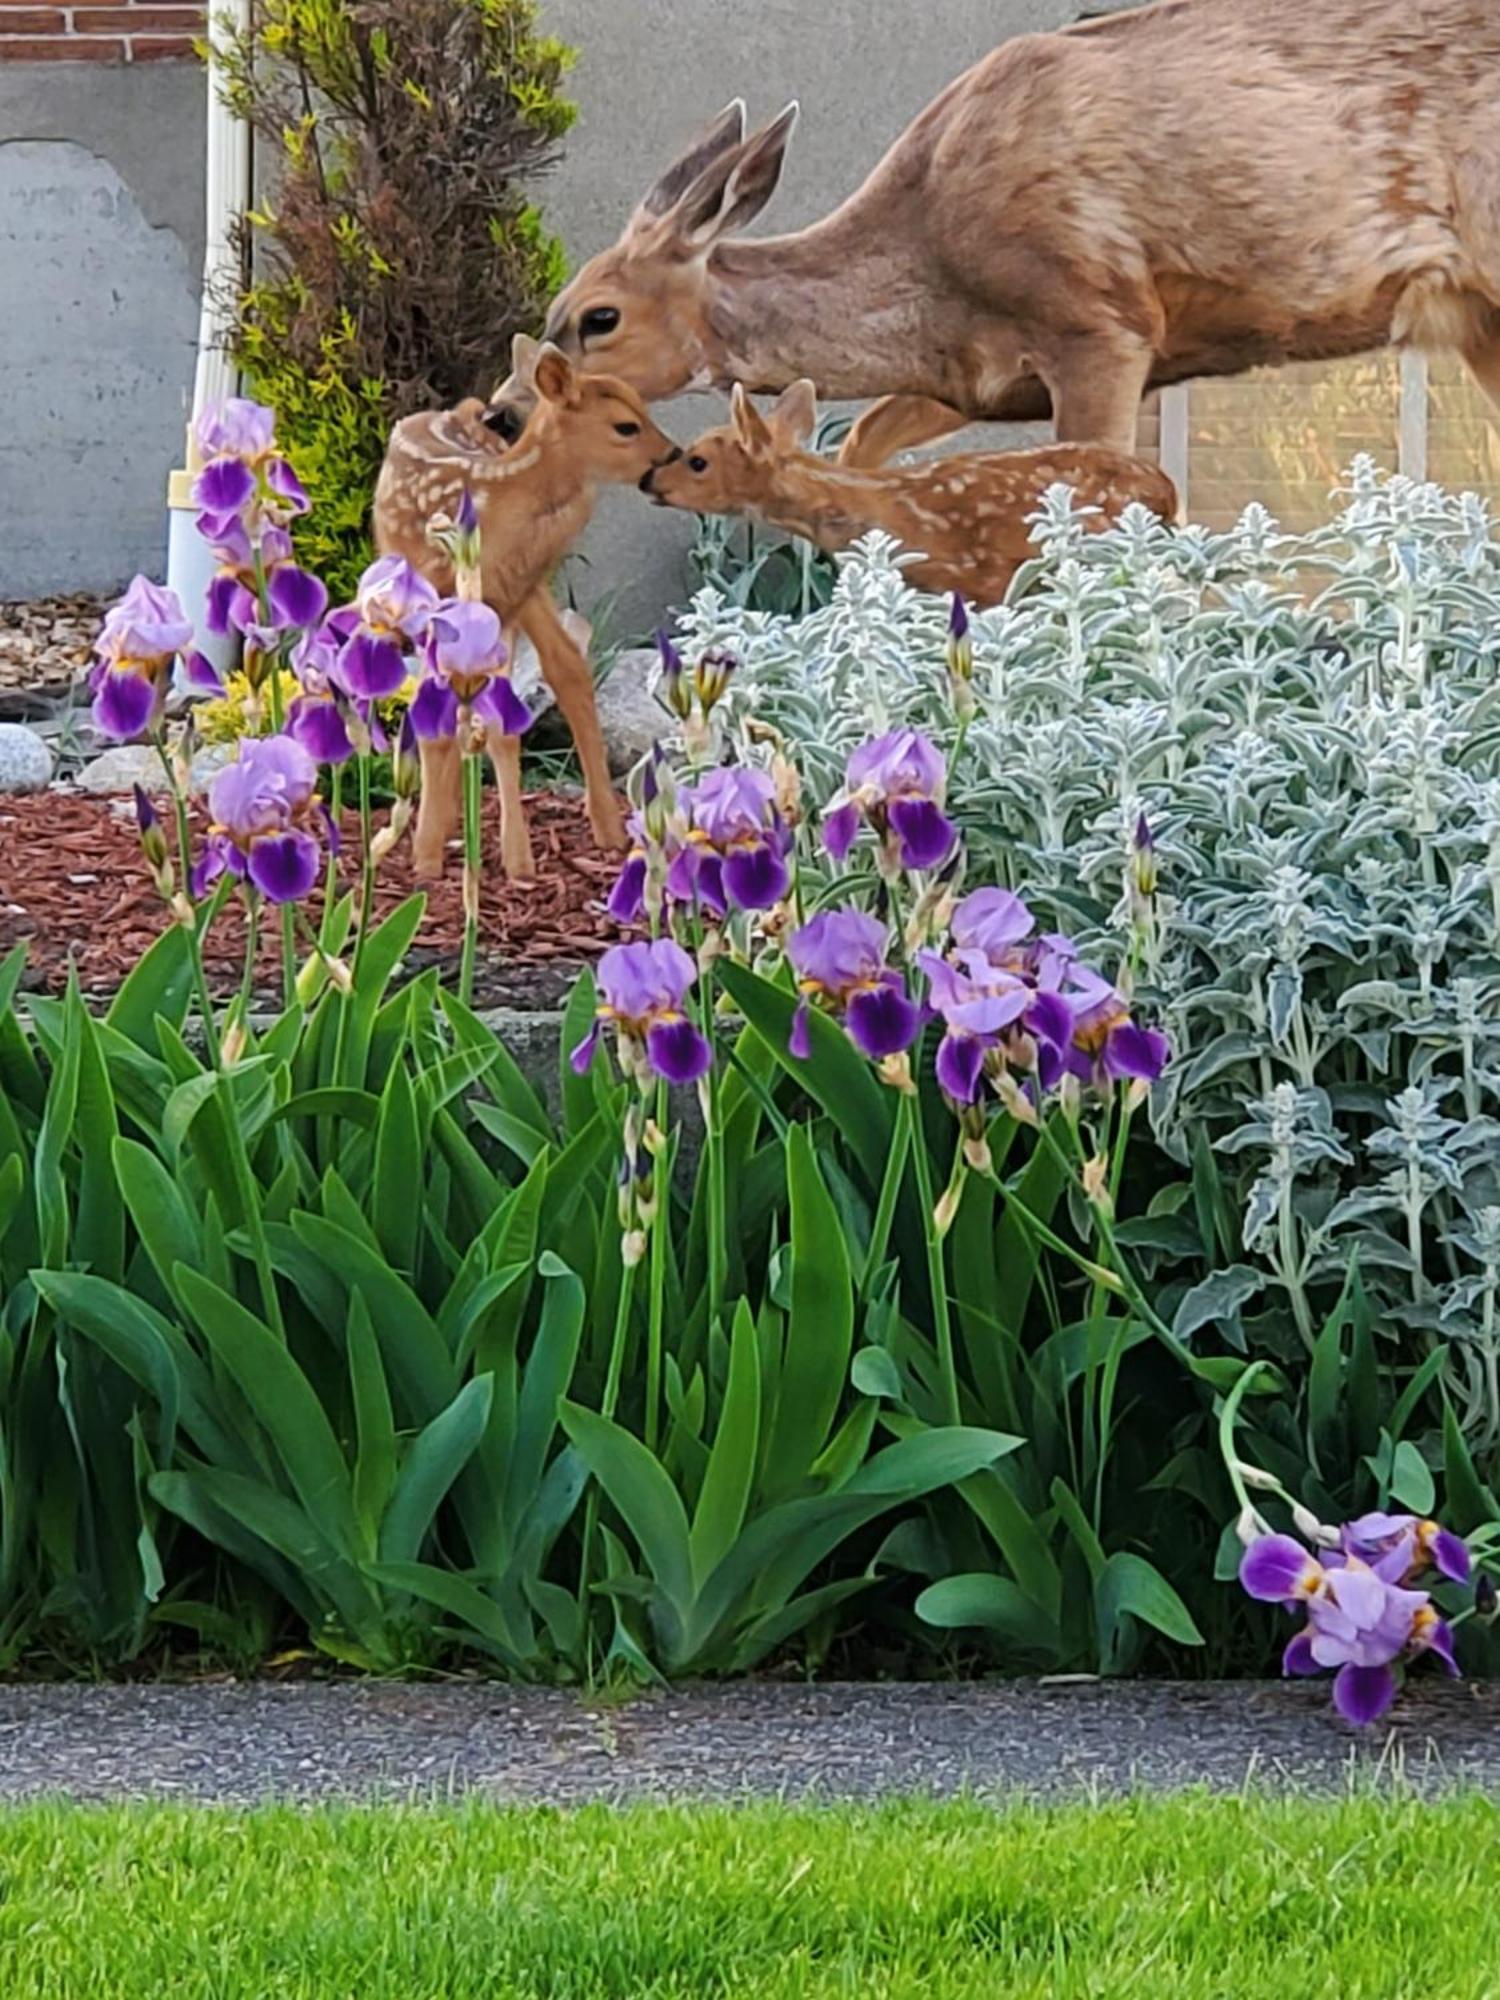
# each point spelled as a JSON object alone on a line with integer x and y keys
{"x": 1097, "y": 384}
{"x": 516, "y": 857}
{"x": 897, "y": 423}
{"x": 438, "y": 809}
{"x": 571, "y": 679}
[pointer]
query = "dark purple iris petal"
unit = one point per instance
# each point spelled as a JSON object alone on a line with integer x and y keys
{"x": 1050, "y": 1019}
{"x": 372, "y": 667}
{"x": 925, "y": 837}
{"x": 711, "y": 885}
{"x": 799, "y": 1042}
{"x": 297, "y": 597}
{"x": 284, "y": 866}
{"x": 755, "y": 877}
{"x": 1438, "y": 1639}
{"x": 1363, "y": 1694}
{"x": 124, "y": 704}
{"x": 499, "y": 703}
{"x": 1298, "y": 1657}
{"x": 678, "y": 1051}
{"x": 287, "y": 487}
{"x": 1451, "y": 1555}
{"x": 627, "y": 899}
{"x": 228, "y": 604}
{"x": 581, "y": 1056}
{"x": 217, "y": 856}
{"x": 434, "y": 711}
{"x": 1135, "y": 1052}
{"x": 882, "y": 1022}
{"x": 960, "y": 1064}
{"x": 1277, "y": 1570}
{"x": 319, "y": 728}
{"x": 201, "y": 674}
{"x": 224, "y": 486}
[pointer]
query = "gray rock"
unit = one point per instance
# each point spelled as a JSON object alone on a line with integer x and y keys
{"x": 629, "y": 713}
{"x": 130, "y": 764}
{"x": 25, "y": 760}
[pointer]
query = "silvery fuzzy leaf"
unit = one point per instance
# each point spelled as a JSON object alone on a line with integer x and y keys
{"x": 1217, "y": 1299}
{"x": 1284, "y": 993}
{"x": 1260, "y": 1210}
{"x": 1384, "y": 996}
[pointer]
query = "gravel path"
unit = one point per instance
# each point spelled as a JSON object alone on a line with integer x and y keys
{"x": 241, "y": 1743}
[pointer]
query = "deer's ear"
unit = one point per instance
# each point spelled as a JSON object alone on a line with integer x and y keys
{"x": 555, "y": 377}
{"x": 726, "y": 132}
{"x": 523, "y": 353}
{"x": 732, "y": 190}
{"x": 750, "y": 426}
{"x": 795, "y": 416}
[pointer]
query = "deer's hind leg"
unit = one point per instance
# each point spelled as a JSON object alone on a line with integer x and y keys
{"x": 571, "y": 679}
{"x": 516, "y": 857}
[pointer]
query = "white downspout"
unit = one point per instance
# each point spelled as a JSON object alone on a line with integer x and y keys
{"x": 190, "y": 565}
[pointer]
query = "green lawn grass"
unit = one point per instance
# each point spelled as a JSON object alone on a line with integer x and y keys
{"x": 1184, "y": 1898}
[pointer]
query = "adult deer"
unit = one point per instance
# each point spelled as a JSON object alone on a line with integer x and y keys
{"x": 1189, "y": 189}
{"x": 533, "y": 500}
{"x": 965, "y": 517}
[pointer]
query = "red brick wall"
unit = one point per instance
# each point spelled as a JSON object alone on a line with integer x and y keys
{"x": 135, "y": 31}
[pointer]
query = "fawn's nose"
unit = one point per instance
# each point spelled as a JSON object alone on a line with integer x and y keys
{"x": 648, "y": 477}
{"x": 505, "y": 421}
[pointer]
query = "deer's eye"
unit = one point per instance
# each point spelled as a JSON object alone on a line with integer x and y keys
{"x": 598, "y": 321}
{"x": 627, "y": 430}
{"x": 697, "y": 463}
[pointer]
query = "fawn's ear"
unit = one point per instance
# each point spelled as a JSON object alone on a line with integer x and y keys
{"x": 750, "y": 426}
{"x": 795, "y": 416}
{"x": 523, "y": 353}
{"x": 555, "y": 377}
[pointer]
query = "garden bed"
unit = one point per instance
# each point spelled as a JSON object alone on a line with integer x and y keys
{"x": 77, "y": 893}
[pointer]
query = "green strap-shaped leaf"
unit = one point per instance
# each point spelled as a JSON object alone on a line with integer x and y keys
{"x": 648, "y": 1502}
{"x": 158, "y": 986}
{"x": 730, "y": 1476}
{"x": 820, "y": 1325}
{"x": 436, "y": 1457}
{"x": 374, "y": 1426}
{"x": 397, "y": 1194}
{"x": 548, "y": 1376}
{"x": 1128, "y": 1585}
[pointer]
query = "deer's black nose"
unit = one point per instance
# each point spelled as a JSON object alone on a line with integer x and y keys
{"x": 505, "y": 421}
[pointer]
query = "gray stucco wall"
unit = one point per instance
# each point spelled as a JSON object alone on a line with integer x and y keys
{"x": 101, "y": 223}
{"x": 101, "y": 226}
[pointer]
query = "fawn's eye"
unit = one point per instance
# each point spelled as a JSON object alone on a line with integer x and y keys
{"x": 697, "y": 463}
{"x": 598, "y": 321}
{"x": 627, "y": 430}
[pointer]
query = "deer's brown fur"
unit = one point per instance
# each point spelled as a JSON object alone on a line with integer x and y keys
{"x": 1186, "y": 189}
{"x": 533, "y": 499}
{"x": 965, "y": 515}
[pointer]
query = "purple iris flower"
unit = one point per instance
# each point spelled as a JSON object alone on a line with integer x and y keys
{"x": 839, "y": 957}
{"x": 1399, "y": 1547}
{"x": 1278, "y": 1570}
{"x": 1087, "y": 1031}
{"x": 977, "y": 1002}
{"x": 992, "y": 921}
{"x": 896, "y": 784}
{"x": 236, "y": 428}
{"x": 465, "y": 669}
{"x": 643, "y": 991}
{"x": 316, "y": 717}
{"x": 392, "y": 608}
{"x": 243, "y": 474}
{"x": 260, "y": 806}
{"x": 138, "y": 643}
{"x": 735, "y": 852}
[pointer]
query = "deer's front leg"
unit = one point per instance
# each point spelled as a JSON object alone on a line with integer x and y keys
{"x": 1097, "y": 384}
{"x": 516, "y": 857}
{"x": 438, "y": 808}
{"x": 571, "y": 679}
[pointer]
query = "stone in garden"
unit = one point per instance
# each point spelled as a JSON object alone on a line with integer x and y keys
{"x": 630, "y": 716}
{"x": 130, "y": 764}
{"x": 25, "y": 760}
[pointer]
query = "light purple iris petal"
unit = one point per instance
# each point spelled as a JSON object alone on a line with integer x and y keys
{"x": 269, "y": 783}
{"x": 287, "y": 487}
{"x": 201, "y": 674}
{"x": 730, "y": 803}
{"x": 1363, "y": 1694}
{"x": 147, "y": 623}
{"x": 882, "y": 1022}
{"x": 237, "y": 426}
{"x": 285, "y": 866}
{"x": 755, "y": 878}
{"x": 297, "y": 597}
{"x": 499, "y": 703}
{"x": 799, "y": 1041}
{"x": 627, "y": 899}
{"x": 901, "y": 764}
{"x": 463, "y": 639}
{"x": 1278, "y": 1570}
{"x": 1298, "y": 1657}
{"x": 372, "y": 668}
{"x": 678, "y": 1051}
{"x": 394, "y": 596}
{"x": 319, "y": 727}
{"x": 583, "y": 1053}
{"x": 960, "y": 1064}
{"x": 434, "y": 711}
{"x": 124, "y": 704}
{"x": 639, "y": 980}
{"x": 838, "y": 949}
{"x": 1131, "y": 1051}
{"x": 925, "y": 835}
{"x": 991, "y": 921}
{"x": 839, "y": 829}
{"x": 224, "y": 486}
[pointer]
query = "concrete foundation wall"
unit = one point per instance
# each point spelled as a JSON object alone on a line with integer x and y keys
{"x": 101, "y": 229}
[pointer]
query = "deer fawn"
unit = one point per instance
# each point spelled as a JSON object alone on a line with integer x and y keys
{"x": 533, "y": 500}
{"x": 965, "y": 516}
{"x": 1309, "y": 180}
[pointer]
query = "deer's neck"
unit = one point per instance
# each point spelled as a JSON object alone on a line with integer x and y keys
{"x": 848, "y": 306}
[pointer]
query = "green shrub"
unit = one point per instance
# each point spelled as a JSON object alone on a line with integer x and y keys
{"x": 397, "y": 248}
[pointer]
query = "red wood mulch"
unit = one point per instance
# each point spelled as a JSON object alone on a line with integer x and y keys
{"x": 74, "y": 887}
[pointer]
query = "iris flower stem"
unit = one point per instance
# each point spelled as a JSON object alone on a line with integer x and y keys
{"x": 331, "y": 878}
{"x": 937, "y": 1279}
{"x": 660, "y": 1223}
{"x": 239, "y": 1157}
{"x": 607, "y": 1406}
{"x": 185, "y": 876}
{"x": 473, "y": 777}
{"x": 713, "y": 1147}
{"x": 885, "y": 1207}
